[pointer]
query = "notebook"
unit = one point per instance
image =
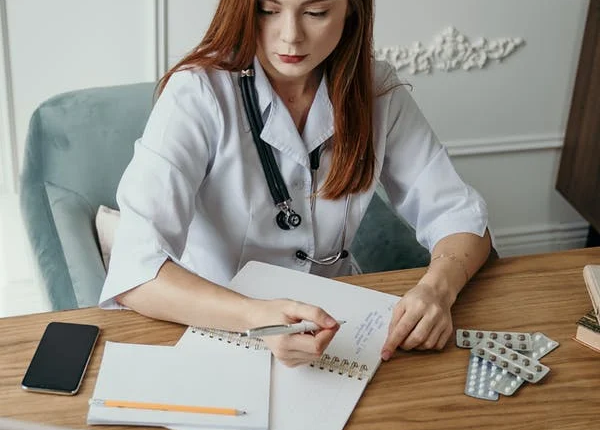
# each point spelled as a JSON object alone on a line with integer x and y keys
{"x": 209, "y": 375}
{"x": 320, "y": 396}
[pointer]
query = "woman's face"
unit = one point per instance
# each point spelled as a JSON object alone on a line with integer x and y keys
{"x": 295, "y": 36}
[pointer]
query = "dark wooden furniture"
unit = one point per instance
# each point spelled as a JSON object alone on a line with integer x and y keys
{"x": 579, "y": 172}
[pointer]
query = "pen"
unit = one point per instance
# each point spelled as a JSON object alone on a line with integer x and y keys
{"x": 165, "y": 407}
{"x": 270, "y": 330}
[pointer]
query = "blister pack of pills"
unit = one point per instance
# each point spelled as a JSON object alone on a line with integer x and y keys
{"x": 506, "y": 383}
{"x": 494, "y": 368}
{"x": 480, "y": 373}
{"x": 513, "y": 340}
{"x": 541, "y": 345}
{"x": 514, "y": 362}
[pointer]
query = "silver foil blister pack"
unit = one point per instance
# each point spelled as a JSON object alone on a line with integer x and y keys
{"x": 513, "y": 340}
{"x": 496, "y": 368}
{"x": 507, "y": 383}
{"x": 480, "y": 374}
{"x": 514, "y": 362}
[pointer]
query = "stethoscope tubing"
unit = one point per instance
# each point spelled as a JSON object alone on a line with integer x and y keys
{"x": 342, "y": 253}
{"x": 277, "y": 187}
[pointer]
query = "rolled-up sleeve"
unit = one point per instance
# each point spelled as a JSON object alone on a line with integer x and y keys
{"x": 157, "y": 191}
{"x": 420, "y": 180}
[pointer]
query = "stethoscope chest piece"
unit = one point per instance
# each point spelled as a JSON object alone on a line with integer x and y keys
{"x": 288, "y": 221}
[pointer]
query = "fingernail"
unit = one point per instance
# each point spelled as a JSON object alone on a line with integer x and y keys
{"x": 385, "y": 355}
{"x": 330, "y": 322}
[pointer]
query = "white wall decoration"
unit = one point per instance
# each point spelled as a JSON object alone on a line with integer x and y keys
{"x": 450, "y": 50}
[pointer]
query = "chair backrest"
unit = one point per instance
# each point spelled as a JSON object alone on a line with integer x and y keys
{"x": 386, "y": 242}
{"x": 77, "y": 148}
{"x": 83, "y": 140}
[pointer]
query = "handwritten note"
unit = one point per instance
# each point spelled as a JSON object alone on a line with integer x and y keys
{"x": 373, "y": 322}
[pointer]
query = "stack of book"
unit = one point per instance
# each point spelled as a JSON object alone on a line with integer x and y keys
{"x": 588, "y": 326}
{"x": 588, "y": 331}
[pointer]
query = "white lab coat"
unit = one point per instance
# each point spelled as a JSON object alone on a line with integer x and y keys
{"x": 195, "y": 190}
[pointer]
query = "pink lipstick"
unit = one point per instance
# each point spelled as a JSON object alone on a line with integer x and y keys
{"x": 291, "y": 59}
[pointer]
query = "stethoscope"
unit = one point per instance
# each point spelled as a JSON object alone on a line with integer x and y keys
{"x": 287, "y": 218}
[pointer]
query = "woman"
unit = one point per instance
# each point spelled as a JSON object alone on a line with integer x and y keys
{"x": 197, "y": 204}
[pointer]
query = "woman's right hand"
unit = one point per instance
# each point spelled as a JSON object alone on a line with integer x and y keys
{"x": 293, "y": 349}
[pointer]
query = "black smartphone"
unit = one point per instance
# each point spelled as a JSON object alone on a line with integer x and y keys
{"x": 61, "y": 358}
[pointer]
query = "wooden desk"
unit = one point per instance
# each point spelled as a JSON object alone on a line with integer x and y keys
{"x": 416, "y": 390}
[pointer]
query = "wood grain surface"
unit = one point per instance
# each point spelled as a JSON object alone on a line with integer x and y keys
{"x": 415, "y": 390}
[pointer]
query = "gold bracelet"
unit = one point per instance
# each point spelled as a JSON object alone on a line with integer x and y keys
{"x": 453, "y": 257}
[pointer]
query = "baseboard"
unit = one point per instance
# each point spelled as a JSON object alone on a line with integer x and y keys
{"x": 536, "y": 239}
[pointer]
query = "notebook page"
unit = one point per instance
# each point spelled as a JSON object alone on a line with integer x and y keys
{"x": 208, "y": 375}
{"x": 310, "y": 397}
{"x": 367, "y": 312}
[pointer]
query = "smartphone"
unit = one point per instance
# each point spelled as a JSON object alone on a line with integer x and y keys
{"x": 61, "y": 358}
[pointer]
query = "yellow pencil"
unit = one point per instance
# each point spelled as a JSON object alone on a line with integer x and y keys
{"x": 165, "y": 407}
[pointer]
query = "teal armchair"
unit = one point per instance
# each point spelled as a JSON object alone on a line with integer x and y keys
{"x": 77, "y": 148}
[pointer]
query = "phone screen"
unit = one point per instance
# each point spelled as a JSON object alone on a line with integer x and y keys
{"x": 61, "y": 358}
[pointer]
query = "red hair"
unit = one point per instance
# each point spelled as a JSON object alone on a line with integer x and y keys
{"x": 230, "y": 44}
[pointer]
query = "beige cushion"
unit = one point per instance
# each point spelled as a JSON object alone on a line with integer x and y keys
{"x": 106, "y": 224}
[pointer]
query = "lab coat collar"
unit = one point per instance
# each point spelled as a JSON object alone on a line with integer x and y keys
{"x": 263, "y": 87}
{"x": 319, "y": 124}
{"x": 280, "y": 131}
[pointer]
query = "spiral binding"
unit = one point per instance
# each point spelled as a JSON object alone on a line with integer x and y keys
{"x": 341, "y": 367}
{"x": 231, "y": 337}
{"x": 325, "y": 362}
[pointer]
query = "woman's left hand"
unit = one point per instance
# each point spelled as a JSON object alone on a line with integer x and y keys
{"x": 420, "y": 320}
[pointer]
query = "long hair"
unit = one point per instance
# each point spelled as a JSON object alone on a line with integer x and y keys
{"x": 230, "y": 44}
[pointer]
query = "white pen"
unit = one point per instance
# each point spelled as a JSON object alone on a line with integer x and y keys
{"x": 271, "y": 330}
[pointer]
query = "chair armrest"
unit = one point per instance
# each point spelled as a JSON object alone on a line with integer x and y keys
{"x": 74, "y": 219}
{"x": 61, "y": 228}
{"x": 45, "y": 245}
